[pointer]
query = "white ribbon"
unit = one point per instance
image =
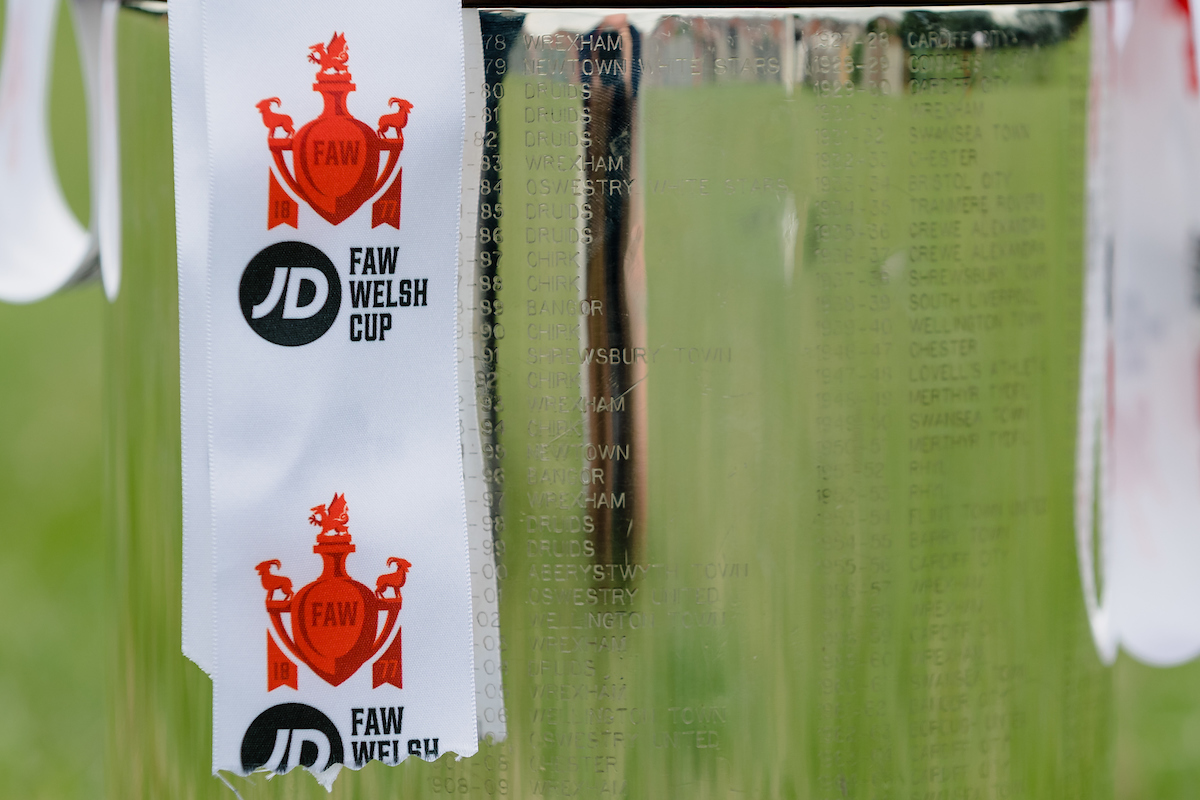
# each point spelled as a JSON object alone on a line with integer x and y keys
{"x": 190, "y": 139}
{"x": 43, "y": 248}
{"x": 191, "y": 216}
{"x": 1091, "y": 472}
{"x": 223, "y": 366}
{"x": 489, "y": 690}
{"x": 1138, "y": 479}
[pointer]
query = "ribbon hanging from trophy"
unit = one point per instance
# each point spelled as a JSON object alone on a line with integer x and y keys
{"x": 190, "y": 138}
{"x": 1138, "y": 481}
{"x": 191, "y": 199}
{"x": 43, "y": 248}
{"x": 319, "y": 382}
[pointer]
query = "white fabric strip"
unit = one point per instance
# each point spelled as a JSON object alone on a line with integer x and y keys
{"x": 332, "y": 370}
{"x": 190, "y": 137}
{"x": 42, "y": 246}
{"x": 1154, "y": 585}
{"x": 1141, "y": 372}
{"x": 96, "y": 32}
{"x": 191, "y": 203}
{"x": 1092, "y": 531}
{"x": 108, "y": 147}
{"x": 489, "y": 688}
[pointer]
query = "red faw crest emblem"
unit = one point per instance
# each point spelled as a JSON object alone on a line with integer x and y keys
{"x": 335, "y": 158}
{"x": 335, "y": 626}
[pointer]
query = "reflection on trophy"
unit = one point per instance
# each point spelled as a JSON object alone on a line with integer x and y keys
{"x": 774, "y": 399}
{"x": 615, "y": 276}
{"x": 774, "y": 323}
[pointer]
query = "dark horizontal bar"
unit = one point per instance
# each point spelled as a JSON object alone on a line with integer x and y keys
{"x": 540, "y": 4}
{"x": 160, "y": 6}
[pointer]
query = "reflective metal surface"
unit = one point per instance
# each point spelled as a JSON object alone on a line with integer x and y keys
{"x": 791, "y": 319}
{"x": 776, "y": 330}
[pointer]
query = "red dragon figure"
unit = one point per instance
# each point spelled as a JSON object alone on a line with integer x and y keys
{"x": 335, "y": 519}
{"x": 331, "y": 57}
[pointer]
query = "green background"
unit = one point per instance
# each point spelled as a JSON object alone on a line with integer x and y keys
{"x": 55, "y": 559}
{"x": 55, "y": 574}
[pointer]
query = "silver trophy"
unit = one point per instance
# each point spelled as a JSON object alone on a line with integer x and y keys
{"x": 771, "y": 342}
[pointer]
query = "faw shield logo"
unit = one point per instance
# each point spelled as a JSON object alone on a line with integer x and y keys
{"x": 290, "y": 293}
{"x": 335, "y": 158}
{"x": 333, "y": 623}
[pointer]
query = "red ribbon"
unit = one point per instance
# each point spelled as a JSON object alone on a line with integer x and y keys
{"x": 281, "y": 670}
{"x": 281, "y": 208}
{"x": 386, "y": 210}
{"x": 387, "y": 668}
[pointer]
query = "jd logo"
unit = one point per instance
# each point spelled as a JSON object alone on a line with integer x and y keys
{"x": 290, "y": 735}
{"x": 290, "y": 293}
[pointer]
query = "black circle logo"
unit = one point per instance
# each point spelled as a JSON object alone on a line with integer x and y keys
{"x": 291, "y": 735}
{"x": 290, "y": 293}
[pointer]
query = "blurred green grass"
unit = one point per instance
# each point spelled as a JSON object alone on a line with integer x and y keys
{"x": 52, "y": 571}
{"x": 1158, "y": 731}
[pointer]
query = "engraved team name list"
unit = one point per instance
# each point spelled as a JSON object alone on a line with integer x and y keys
{"x": 775, "y": 344}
